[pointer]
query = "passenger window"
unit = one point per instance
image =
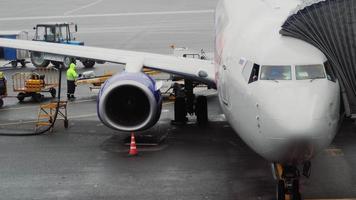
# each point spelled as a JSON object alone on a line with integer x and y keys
{"x": 304, "y": 72}
{"x": 254, "y": 73}
{"x": 329, "y": 72}
{"x": 271, "y": 72}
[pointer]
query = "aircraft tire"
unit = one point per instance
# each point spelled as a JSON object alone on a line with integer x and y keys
{"x": 1, "y": 103}
{"x": 180, "y": 110}
{"x": 280, "y": 190}
{"x": 295, "y": 190}
{"x": 201, "y": 110}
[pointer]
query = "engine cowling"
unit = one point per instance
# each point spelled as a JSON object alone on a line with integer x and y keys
{"x": 129, "y": 102}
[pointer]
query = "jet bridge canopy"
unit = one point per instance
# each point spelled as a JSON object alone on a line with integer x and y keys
{"x": 330, "y": 25}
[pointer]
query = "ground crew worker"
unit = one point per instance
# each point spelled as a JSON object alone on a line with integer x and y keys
{"x": 71, "y": 78}
{"x": 2, "y": 84}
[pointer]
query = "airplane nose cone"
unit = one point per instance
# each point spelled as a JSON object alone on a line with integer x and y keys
{"x": 297, "y": 123}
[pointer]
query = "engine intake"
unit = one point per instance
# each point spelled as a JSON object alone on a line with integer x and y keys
{"x": 129, "y": 102}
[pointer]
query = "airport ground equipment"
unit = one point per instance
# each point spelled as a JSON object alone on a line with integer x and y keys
{"x": 32, "y": 84}
{"x": 3, "y": 89}
{"x": 14, "y": 56}
{"x": 89, "y": 78}
{"x": 46, "y": 114}
{"x": 330, "y": 26}
{"x": 133, "y": 148}
{"x": 62, "y": 33}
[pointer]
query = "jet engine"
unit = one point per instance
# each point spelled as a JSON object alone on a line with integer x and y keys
{"x": 129, "y": 102}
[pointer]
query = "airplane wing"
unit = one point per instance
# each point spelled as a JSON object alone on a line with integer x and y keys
{"x": 200, "y": 70}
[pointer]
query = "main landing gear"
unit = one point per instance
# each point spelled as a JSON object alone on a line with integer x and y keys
{"x": 288, "y": 180}
{"x": 186, "y": 103}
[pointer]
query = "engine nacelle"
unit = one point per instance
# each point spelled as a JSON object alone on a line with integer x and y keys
{"x": 129, "y": 102}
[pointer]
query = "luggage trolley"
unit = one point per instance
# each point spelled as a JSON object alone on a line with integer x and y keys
{"x": 32, "y": 84}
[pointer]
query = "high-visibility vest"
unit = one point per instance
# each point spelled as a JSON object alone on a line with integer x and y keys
{"x": 71, "y": 73}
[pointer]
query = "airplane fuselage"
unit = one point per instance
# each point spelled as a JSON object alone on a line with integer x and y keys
{"x": 275, "y": 91}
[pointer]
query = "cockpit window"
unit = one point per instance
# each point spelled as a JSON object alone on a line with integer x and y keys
{"x": 272, "y": 72}
{"x": 254, "y": 73}
{"x": 304, "y": 72}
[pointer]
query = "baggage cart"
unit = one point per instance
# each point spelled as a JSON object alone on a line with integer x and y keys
{"x": 32, "y": 84}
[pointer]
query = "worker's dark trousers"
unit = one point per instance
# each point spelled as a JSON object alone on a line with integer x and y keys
{"x": 70, "y": 88}
{"x": 2, "y": 86}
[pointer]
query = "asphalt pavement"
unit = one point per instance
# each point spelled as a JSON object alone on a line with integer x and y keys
{"x": 90, "y": 161}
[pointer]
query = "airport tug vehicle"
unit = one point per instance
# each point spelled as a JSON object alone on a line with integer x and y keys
{"x": 3, "y": 89}
{"x": 62, "y": 33}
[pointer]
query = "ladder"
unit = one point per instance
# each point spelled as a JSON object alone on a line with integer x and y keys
{"x": 46, "y": 114}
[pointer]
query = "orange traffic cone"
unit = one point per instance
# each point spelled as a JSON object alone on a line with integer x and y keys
{"x": 133, "y": 149}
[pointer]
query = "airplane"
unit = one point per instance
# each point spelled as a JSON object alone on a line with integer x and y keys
{"x": 276, "y": 92}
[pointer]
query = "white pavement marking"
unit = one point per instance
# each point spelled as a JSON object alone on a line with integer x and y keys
{"x": 108, "y": 15}
{"x": 82, "y": 7}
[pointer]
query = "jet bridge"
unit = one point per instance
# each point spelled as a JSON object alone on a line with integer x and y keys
{"x": 330, "y": 25}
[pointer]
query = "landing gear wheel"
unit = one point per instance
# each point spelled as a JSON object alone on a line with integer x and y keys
{"x": 21, "y": 96}
{"x": 14, "y": 64}
{"x": 201, "y": 110}
{"x": 180, "y": 111}
{"x": 281, "y": 194}
{"x": 53, "y": 92}
{"x": 295, "y": 190}
{"x": 1, "y": 103}
{"x": 66, "y": 123}
{"x": 88, "y": 63}
{"x": 37, "y": 97}
{"x": 37, "y": 59}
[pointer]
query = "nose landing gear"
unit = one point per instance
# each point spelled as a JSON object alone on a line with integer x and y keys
{"x": 287, "y": 187}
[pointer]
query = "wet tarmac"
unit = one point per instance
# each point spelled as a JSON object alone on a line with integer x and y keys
{"x": 90, "y": 161}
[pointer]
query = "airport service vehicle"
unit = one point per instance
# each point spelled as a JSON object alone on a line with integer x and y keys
{"x": 32, "y": 84}
{"x": 61, "y": 32}
{"x": 14, "y": 56}
{"x": 277, "y": 92}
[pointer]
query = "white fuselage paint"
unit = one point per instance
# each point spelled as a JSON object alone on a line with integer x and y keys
{"x": 286, "y": 121}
